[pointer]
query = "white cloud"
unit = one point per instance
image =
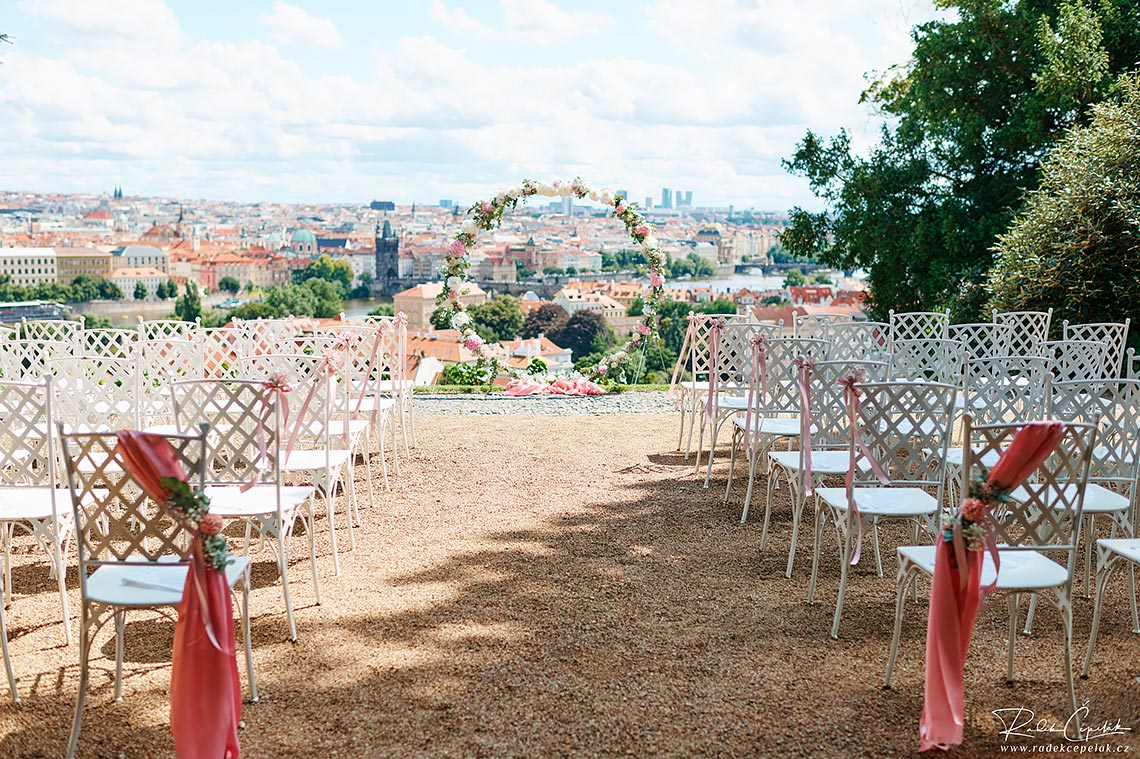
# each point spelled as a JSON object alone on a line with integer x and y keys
{"x": 533, "y": 21}
{"x": 293, "y": 25}
{"x": 144, "y": 23}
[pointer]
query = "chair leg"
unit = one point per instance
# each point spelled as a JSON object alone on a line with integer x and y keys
{"x": 120, "y": 628}
{"x": 59, "y": 557}
{"x": 6, "y": 543}
{"x": 85, "y": 631}
{"x": 283, "y": 569}
{"x": 731, "y": 467}
{"x": 796, "y": 486}
{"x": 773, "y": 476}
{"x": 411, "y": 418}
{"x": 248, "y": 636}
{"x": 1067, "y": 623}
{"x": 878, "y": 551}
{"x": 820, "y": 522}
{"x": 1090, "y": 538}
{"x": 7, "y": 657}
{"x": 715, "y": 425}
{"x": 681, "y": 434}
{"x": 368, "y": 472}
{"x": 1132, "y": 597}
{"x": 1029, "y": 615}
{"x": 1011, "y": 602}
{"x": 1105, "y": 566}
{"x": 751, "y": 482}
{"x": 313, "y": 549}
{"x": 844, "y": 566}
{"x": 900, "y": 609}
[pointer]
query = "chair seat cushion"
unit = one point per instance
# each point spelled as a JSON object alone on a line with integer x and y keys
{"x": 786, "y": 426}
{"x": 954, "y": 457}
{"x": 1020, "y": 570}
{"x": 314, "y": 459}
{"x": 1098, "y": 498}
{"x": 19, "y": 503}
{"x": 822, "y": 462}
{"x": 229, "y": 502}
{"x": 1128, "y": 548}
{"x": 882, "y": 502}
{"x": 153, "y": 584}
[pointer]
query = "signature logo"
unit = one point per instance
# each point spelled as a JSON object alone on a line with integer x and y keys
{"x": 1020, "y": 722}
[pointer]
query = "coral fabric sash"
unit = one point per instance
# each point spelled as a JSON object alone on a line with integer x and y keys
{"x": 954, "y": 604}
{"x": 205, "y": 695}
{"x": 527, "y": 386}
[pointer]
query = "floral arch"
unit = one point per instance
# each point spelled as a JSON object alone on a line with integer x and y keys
{"x": 488, "y": 214}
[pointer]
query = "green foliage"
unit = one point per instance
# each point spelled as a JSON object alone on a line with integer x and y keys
{"x": 364, "y": 289}
{"x": 547, "y": 319}
{"x": 718, "y": 306}
{"x": 637, "y": 308}
{"x": 383, "y": 309}
{"x": 498, "y": 319}
{"x": 462, "y": 374}
{"x": 585, "y": 332}
{"x": 988, "y": 90}
{"x": 316, "y": 297}
{"x": 1075, "y": 247}
{"x": 189, "y": 307}
{"x": 536, "y": 367}
{"x": 336, "y": 271}
{"x": 522, "y": 271}
{"x": 229, "y": 285}
{"x": 82, "y": 289}
{"x": 552, "y": 271}
{"x": 166, "y": 290}
{"x": 691, "y": 265}
{"x": 91, "y": 321}
{"x": 773, "y": 300}
{"x": 254, "y": 310}
{"x": 820, "y": 278}
{"x": 140, "y": 291}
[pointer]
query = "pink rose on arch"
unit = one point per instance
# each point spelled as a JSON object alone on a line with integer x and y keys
{"x": 487, "y": 207}
{"x": 456, "y": 249}
{"x": 621, "y": 207}
{"x": 643, "y": 328}
{"x": 641, "y": 232}
{"x": 655, "y": 279}
{"x": 453, "y": 294}
{"x": 473, "y": 343}
{"x": 211, "y": 524}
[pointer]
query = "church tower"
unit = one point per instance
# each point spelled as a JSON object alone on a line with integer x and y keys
{"x": 387, "y": 258}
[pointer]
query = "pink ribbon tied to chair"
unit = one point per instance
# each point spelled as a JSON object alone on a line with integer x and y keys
{"x": 758, "y": 383}
{"x": 277, "y": 389}
{"x": 715, "y": 330}
{"x": 805, "y": 365}
{"x": 205, "y": 694}
{"x": 851, "y": 395}
{"x": 957, "y": 591}
{"x": 326, "y": 368}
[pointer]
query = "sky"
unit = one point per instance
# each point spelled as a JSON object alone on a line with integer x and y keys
{"x": 422, "y": 100}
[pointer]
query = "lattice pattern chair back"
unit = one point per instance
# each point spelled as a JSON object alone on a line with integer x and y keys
{"x": 1030, "y": 329}
{"x": 984, "y": 339}
{"x": 907, "y": 427}
{"x": 919, "y": 325}
{"x": 261, "y": 335}
{"x": 831, "y": 425}
{"x": 245, "y": 419}
{"x": 818, "y": 326}
{"x": 1076, "y": 359}
{"x": 109, "y": 342}
{"x": 1007, "y": 389}
{"x": 221, "y": 352}
{"x": 8, "y": 333}
{"x": 394, "y": 342}
{"x": 1132, "y": 365}
{"x": 93, "y": 393}
{"x": 1113, "y": 335}
{"x": 700, "y": 343}
{"x": 783, "y": 392}
{"x": 930, "y": 360}
{"x": 61, "y": 330}
{"x": 734, "y": 355}
{"x": 860, "y": 341}
{"x": 26, "y": 359}
{"x": 166, "y": 329}
{"x": 1046, "y": 514}
{"x": 366, "y": 355}
{"x": 1113, "y": 406}
{"x": 27, "y": 455}
{"x": 115, "y": 520}
{"x": 308, "y": 344}
{"x": 161, "y": 362}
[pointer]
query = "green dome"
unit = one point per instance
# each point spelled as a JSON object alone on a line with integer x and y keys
{"x": 303, "y": 235}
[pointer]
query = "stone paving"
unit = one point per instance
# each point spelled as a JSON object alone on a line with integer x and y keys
{"x": 544, "y": 405}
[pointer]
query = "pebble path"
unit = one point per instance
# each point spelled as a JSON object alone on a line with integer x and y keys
{"x": 544, "y": 405}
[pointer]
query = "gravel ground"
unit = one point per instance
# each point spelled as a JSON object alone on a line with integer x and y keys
{"x": 544, "y": 405}
{"x": 560, "y": 588}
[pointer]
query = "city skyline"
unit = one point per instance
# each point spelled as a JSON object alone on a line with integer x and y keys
{"x": 418, "y": 102}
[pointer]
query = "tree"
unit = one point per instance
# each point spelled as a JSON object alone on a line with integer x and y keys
{"x": 189, "y": 307}
{"x": 585, "y": 332}
{"x": 546, "y": 319}
{"x": 108, "y": 290}
{"x": 500, "y": 318}
{"x": 987, "y": 91}
{"x": 83, "y": 288}
{"x": 552, "y": 271}
{"x": 522, "y": 271}
{"x": 364, "y": 289}
{"x": 325, "y": 267}
{"x": 794, "y": 278}
{"x": 384, "y": 309}
{"x": 1075, "y": 247}
{"x": 167, "y": 290}
{"x": 637, "y": 307}
{"x": 229, "y": 285}
{"x": 254, "y": 310}
{"x": 140, "y": 291}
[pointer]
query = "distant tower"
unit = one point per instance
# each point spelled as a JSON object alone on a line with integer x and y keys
{"x": 666, "y": 197}
{"x": 387, "y": 258}
{"x": 303, "y": 243}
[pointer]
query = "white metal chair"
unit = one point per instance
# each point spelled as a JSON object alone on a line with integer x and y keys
{"x": 775, "y": 407}
{"x": 906, "y": 427}
{"x": 133, "y": 553}
{"x": 919, "y": 325}
{"x": 243, "y": 473}
{"x": 982, "y": 339}
{"x": 93, "y": 393}
{"x": 1076, "y": 359}
{"x": 394, "y": 381}
{"x": 1030, "y": 329}
{"x": 1042, "y": 522}
{"x": 108, "y": 342}
{"x": 860, "y": 341}
{"x": 1112, "y": 334}
{"x": 26, "y": 359}
{"x": 818, "y": 326}
{"x": 32, "y": 496}
{"x": 222, "y": 348}
{"x": 926, "y": 360}
{"x": 828, "y": 439}
{"x": 62, "y": 330}
{"x": 168, "y": 329}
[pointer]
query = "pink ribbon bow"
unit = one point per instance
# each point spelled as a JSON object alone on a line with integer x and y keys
{"x": 851, "y": 395}
{"x": 715, "y": 329}
{"x": 326, "y": 367}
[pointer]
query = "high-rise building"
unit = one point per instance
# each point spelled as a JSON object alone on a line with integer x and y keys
{"x": 568, "y": 205}
{"x": 622, "y": 194}
{"x": 688, "y": 198}
{"x": 666, "y": 197}
{"x": 648, "y": 202}
{"x": 447, "y": 204}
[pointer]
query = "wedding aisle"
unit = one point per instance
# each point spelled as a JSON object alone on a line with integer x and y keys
{"x": 556, "y": 586}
